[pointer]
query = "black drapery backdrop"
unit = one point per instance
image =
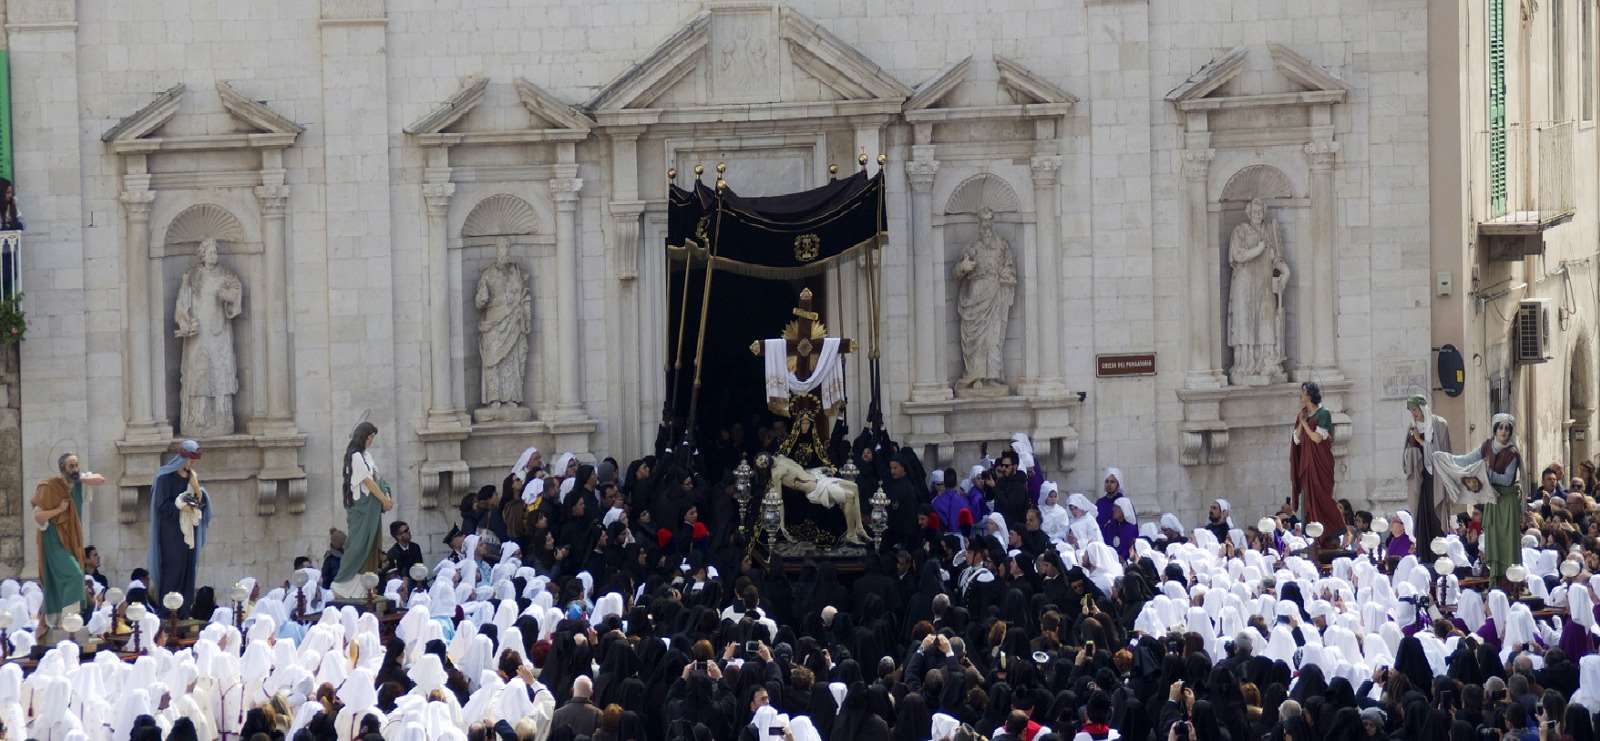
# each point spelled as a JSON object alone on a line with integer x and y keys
{"x": 788, "y": 236}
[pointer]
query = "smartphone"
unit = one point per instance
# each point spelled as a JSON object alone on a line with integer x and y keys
{"x": 774, "y": 731}
{"x": 752, "y": 647}
{"x": 1088, "y": 647}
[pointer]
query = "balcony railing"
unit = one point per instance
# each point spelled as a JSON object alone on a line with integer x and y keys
{"x": 1529, "y": 183}
{"x": 10, "y": 264}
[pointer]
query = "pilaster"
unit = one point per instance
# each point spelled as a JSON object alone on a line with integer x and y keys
{"x": 1202, "y": 345}
{"x": 1322, "y": 157}
{"x": 436, "y": 194}
{"x": 1047, "y": 265}
{"x": 564, "y": 188}
{"x": 928, "y": 383}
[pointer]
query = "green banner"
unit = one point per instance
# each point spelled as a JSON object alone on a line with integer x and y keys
{"x": 5, "y": 115}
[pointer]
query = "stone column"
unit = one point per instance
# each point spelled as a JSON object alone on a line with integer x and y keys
{"x": 274, "y": 200}
{"x": 437, "y": 195}
{"x": 136, "y": 292}
{"x": 1322, "y": 155}
{"x": 564, "y": 187}
{"x": 928, "y": 382}
{"x": 1047, "y": 266}
{"x": 1204, "y": 368}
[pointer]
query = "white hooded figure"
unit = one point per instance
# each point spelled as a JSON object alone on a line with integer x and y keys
{"x": 1082, "y": 530}
{"x": 360, "y": 698}
{"x": 1588, "y": 694}
{"x": 1053, "y": 518}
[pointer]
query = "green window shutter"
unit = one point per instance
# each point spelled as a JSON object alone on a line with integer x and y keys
{"x": 1497, "y": 108}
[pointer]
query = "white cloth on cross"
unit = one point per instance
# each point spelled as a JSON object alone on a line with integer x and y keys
{"x": 827, "y": 378}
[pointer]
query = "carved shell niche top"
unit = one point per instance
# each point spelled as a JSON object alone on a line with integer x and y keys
{"x": 204, "y": 221}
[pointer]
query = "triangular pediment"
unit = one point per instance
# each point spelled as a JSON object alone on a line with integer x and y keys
{"x": 1018, "y": 92}
{"x": 748, "y": 54}
{"x": 930, "y": 93}
{"x": 148, "y": 118}
{"x": 463, "y": 119}
{"x": 547, "y": 108}
{"x": 453, "y": 108}
{"x": 1027, "y": 87}
{"x": 255, "y": 113}
{"x": 140, "y": 131}
{"x": 1212, "y": 75}
{"x": 1222, "y": 82}
{"x": 1310, "y": 75}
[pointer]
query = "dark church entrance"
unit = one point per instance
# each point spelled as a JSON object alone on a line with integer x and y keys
{"x": 733, "y": 406}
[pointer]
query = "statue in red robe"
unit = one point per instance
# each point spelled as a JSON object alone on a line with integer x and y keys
{"x": 1311, "y": 466}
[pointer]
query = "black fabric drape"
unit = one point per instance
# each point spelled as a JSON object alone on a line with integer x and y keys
{"x": 786, "y": 236}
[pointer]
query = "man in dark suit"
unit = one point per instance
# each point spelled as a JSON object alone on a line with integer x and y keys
{"x": 404, "y": 553}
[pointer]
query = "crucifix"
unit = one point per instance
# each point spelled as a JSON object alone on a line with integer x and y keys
{"x": 803, "y": 340}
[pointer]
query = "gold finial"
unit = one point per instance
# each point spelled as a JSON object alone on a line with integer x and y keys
{"x": 672, "y": 174}
{"x": 722, "y": 184}
{"x": 805, "y": 294}
{"x": 883, "y": 159}
{"x": 699, "y": 170}
{"x": 722, "y": 167}
{"x": 862, "y": 160}
{"x": 833, "y": 170}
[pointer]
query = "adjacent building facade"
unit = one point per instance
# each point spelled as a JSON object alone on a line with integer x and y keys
{"x": 1240, "y": 190}
{"x": 1515, "y": 206}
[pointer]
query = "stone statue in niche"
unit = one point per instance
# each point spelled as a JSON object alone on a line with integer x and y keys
{"x": 987, "y": 273}
{"x": 505, "y": 318}
{"x": 209, "y": 299}
{"x": 1255, "y": 299}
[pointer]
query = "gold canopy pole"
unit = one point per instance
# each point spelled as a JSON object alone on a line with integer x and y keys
{"x": 676, "y": 372}
{"x": 687, "y": 448}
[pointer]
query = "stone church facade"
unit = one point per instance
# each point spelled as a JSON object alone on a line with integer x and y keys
{"x": 358, "y": 163}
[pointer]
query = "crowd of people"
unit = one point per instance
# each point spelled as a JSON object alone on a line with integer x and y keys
{"x": 580, "y": 600}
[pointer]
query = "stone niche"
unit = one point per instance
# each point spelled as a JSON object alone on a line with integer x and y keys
{"x": 1288, "y": 213}
{"x": 958, "y": 225}
{"x": 497, "y": 218}
{"x": 1258, "y": 123}
{"x": 227, "y": 184}
{"x": 501, "y": 172}
{"x": 238, "y": 254}
{"x": 995, "y": 145}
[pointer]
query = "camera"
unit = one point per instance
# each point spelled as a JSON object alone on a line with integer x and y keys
{"x": 752, "y": 647}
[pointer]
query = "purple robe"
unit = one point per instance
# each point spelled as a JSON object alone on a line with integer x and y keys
{"x": 1103, "y": 507}
{"x": 948, "y": 506}
{"x": 1120, "y": 536}
{"x": 1489, "y": 632}
{"x": 1400, "y": 546}
{"x": 1576, "y": 640}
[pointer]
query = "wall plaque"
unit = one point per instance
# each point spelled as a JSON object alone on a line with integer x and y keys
{"x": 1399, "y": 378}
{"x": 1128, "y": 364}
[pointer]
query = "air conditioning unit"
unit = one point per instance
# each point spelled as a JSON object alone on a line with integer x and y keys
{"x": 1533, "y": 331}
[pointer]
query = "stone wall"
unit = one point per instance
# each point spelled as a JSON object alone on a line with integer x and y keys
{"x": 355, "y": 74}
{"x": 12, "y": 508}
